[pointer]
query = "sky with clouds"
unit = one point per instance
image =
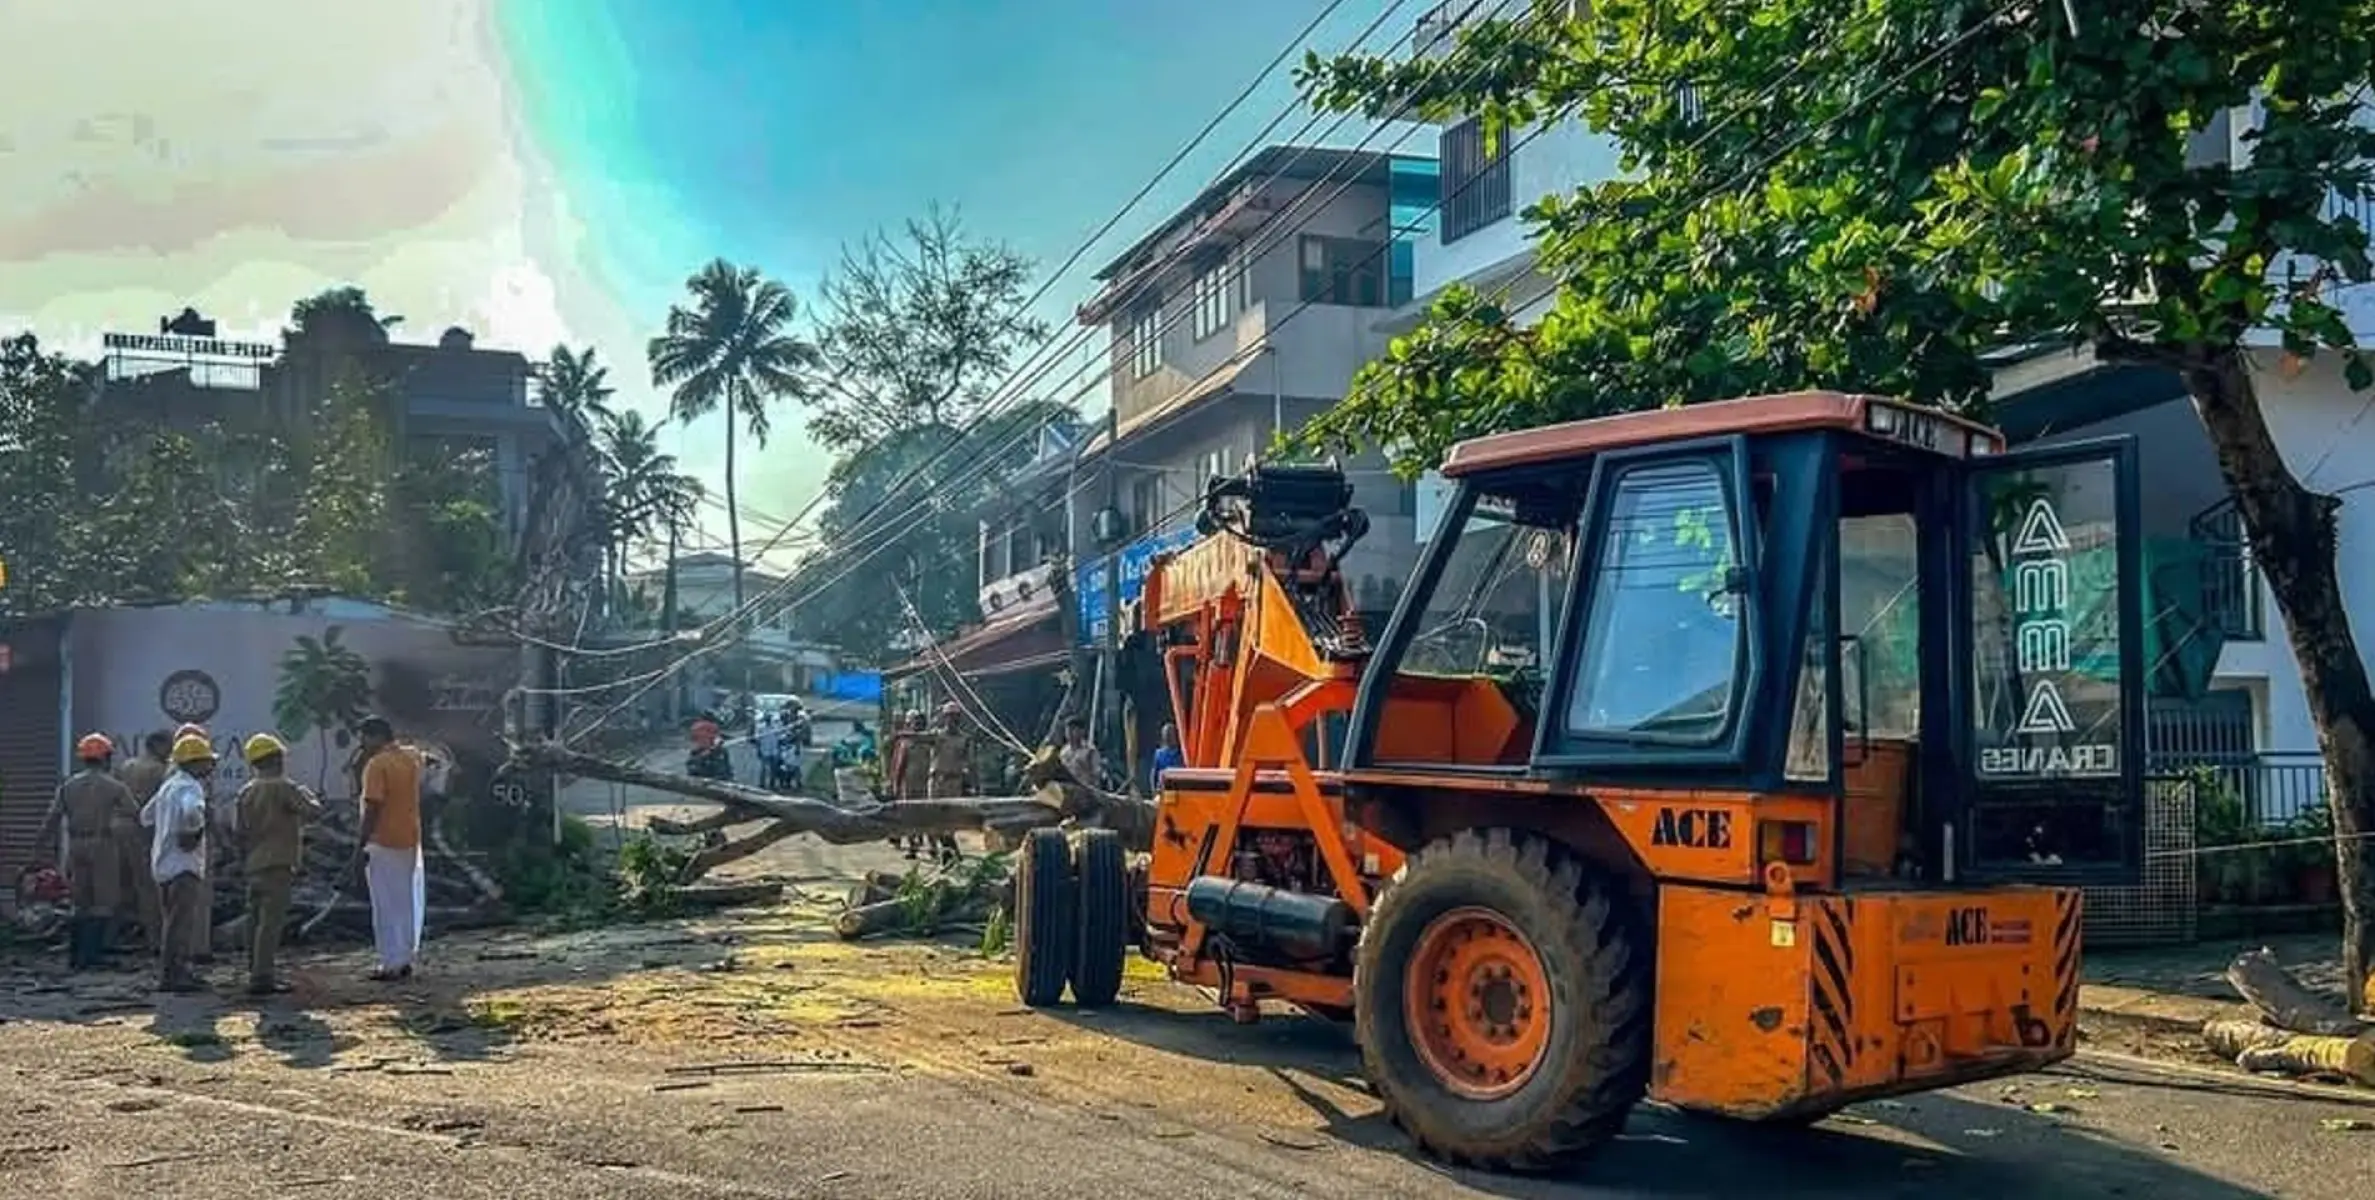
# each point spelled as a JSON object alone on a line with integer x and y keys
{"x": 549, "y": 170}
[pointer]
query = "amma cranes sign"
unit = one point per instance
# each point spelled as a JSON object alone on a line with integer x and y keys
{"x": 2048, "y": 707}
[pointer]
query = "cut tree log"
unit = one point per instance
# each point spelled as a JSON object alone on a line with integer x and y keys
{"x": 894, "y": 916}
{"x": 728, "y": 895}
{"x": 2282, "y": 1000}
{"x": 2352, "y": 1058}
{"x": 2228, "y": 1038}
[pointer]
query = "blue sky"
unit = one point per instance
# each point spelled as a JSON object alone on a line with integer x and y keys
{"x": 548, "y": 169}
{"x": 774, "y": 133}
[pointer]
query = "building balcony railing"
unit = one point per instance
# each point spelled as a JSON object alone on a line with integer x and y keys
{"x": 2229, "y": 581}
{"x": 2258, "y": 791}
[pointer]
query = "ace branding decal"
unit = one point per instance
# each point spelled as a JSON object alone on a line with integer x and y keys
{"x": 1694, "y": 828}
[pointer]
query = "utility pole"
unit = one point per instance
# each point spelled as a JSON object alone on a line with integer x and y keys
{"x": 1108, "y": 720}
{"x": 668, "y": 618}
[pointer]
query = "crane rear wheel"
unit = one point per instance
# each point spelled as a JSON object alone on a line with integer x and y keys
{"x": 1046, "y": 895}
{"x": 1101, "y": 865}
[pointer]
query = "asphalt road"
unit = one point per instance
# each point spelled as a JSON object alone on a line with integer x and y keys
{"x": 102, "y": 1111}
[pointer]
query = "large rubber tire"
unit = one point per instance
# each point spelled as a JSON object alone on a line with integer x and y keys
{"x": 1045, "y": 899}
{"x": 1103, "y": 869}
{"x": 1594, "y": 967}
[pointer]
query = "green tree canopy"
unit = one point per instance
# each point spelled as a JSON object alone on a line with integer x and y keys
{"x": 918, "y": 331}
{"x": 1875, "y": 195}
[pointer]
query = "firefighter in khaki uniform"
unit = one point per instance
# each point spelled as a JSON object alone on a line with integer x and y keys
{"x": 953, "y": 770}
{"x": 141, "y": 776}
{"x": 910, "y": 767}
{"x": 273, "y": 813}
{"x": 91, "y": 805}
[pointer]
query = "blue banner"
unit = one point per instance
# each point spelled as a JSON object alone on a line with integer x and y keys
{"x": 852, "y": 685}
{"x": 1088, "y": 580}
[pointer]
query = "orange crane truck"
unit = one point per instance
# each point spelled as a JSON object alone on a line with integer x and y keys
{"x": 1746, "y": 756}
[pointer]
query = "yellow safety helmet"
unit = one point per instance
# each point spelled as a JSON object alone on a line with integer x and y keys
{"x": 190, "y": 748}
{"x": 263, "y": 746}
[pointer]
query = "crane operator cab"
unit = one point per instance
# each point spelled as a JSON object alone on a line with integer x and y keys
{"x": 1746, "y": 756}
{"x": 1771, "y": 737}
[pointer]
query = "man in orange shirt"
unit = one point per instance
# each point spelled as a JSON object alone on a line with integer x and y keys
{"x": 391, "y": 800}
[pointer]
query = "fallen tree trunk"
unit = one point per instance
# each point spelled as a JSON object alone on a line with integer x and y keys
{"x": 2283, "y": 1002}
{"x": 712, "y": 857}
{"x": 807, "y": 814}
{"x": 855, "y": 820}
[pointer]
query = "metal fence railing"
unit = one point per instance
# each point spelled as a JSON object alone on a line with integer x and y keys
{"x": 2269, "y": 789}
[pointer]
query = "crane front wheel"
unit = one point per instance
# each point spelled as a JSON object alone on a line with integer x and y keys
{"x": 1502, "y": 1003}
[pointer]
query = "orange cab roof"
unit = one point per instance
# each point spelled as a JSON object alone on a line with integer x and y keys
{"x": 1755, "y": 414}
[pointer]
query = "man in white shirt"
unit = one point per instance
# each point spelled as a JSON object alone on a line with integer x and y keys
{"x": 769, "y": 739}
{"x": 176, "y": 819}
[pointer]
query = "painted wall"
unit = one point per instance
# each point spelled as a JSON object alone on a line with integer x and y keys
{"x": 2327, "y": 435}
{"x": 1318, "y": 348}
{"x": 1558, "y": 159}
{"x": 133, "y": 671}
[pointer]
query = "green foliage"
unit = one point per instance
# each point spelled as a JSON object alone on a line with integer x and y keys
{"x": 1874, "y": 196}
{"x": 918, "y": 333}
{"x": 920, "y": 329}
{"x": 564, "y": 881}
{"x": 926, "y": 900}
{"x": 650, "y": 874}
{"x": 324, "y": 687}
{"x": 344, "y": 309}
{"x": 932, "y": 529}
{"x": 216, "y": 511}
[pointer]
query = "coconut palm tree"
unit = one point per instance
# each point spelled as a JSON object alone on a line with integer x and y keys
{"x": 731, "y": 348}
{"x": 636, "y": 472}
{"x": 576, "y": 383}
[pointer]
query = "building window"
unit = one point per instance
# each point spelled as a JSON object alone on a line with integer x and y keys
{"x": 1212, "y": 301}
{"x": 1146, "y": 502}
{"x": 1146, "y": 341}
{"x": 1244, "y": 260}
{"x": 1475, "y": 182}
{"x": 1343, "y": 271}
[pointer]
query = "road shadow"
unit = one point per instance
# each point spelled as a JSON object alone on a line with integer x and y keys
{"x": 2198, "y": 969}
{"x": 190, "y": 1023}
{"x": 1931, "y": 1145}
{"x": 1278, "y": 1042}
{"x": 300, "y": 1039}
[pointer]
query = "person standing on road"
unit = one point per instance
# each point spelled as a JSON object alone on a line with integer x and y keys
{"x": 1079, "y": 755}
{"x": 391, "y": 799}
{"x": 91, "y": 806}
{"x": 220, "y": 822}
{"x": 1167, "y": 756}
{"x": 909, "y": 770}
{"x": 142, "y": 776}
{"x": 768, "y": 738}
{"x": 273, "y": 813}
{"x": 176, "y": 819}
{"x": 953, "y": 770}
